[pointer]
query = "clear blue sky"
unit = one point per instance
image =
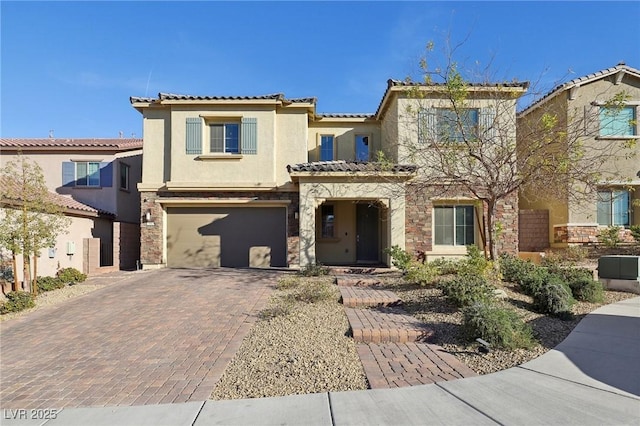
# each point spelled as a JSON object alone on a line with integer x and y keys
{"x": 72, "y": 66}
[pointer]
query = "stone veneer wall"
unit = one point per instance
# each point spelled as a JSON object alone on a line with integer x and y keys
{"x": 418, "y": 218}
{"x": 566, "y": 234}
{"x": 533, "y": 230}
{"x": 151, "y": 235}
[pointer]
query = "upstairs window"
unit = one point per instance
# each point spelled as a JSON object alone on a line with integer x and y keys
{"x": 618, "y": 121}
{"x": 87, "y": 173}
{"x": 453, "y": 225}
{"x": 224, "y": 138}
{"x": 456, "y": 127}
{"x": 124, "y": 176}
{"x": 362, "y": 148}
{"x": 326, "y": 148}
{"x": 614, "y": 208}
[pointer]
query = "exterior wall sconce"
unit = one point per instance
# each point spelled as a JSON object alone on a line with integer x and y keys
{"x": 147, "y": 216}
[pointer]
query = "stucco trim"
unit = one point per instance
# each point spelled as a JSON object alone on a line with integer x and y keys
{"x": 224, "y": 203}
{"x": 224, "y": 186}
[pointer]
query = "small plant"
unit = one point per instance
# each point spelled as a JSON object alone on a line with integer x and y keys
{"x": 71, "y": 276}
{"x": 501, "y": 327}
{"x": 400, "y": 258}
{"x": 534, "y": 280}
{"x": 421, "y": 273}
{"x": 447, "y": 266}
{"x": 465, "y": 290}
{"x": 282, "y": 306}
{"x": 554, "y": 297}
{"x": 17, "y": 301}
{"x": 475, "y": 263}
{"x": 635, "y": 232}
{"x": 610, "y": 236}
{"x": 50, "y": 283}
{"x": 587, "y": 290}
{"x": 313, "y": 270}
{"x": 286, "y": 283}
{"x": 314, "y": 292}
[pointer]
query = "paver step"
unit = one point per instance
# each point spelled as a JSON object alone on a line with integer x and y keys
{"x": 390, "y": 365}
{"x": 385, "y": 324}
{"x": 356, "y": 297}
{"x": 355, "y": 281}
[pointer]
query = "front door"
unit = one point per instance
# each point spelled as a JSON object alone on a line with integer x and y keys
{"x": 367, "y": 245}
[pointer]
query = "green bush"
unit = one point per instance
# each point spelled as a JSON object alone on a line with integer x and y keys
{"x": 421, "y": 273}
{"x": 501, "y": 327}
{"x": 17, "y": 301}
{"x": 465, "y": 290}
{"x": 474, "y": 263}
{"x": 554, "y": 297}
{"x": 610, "y": 236}
{"x": 534, "y": 280}
{"x": 400, "y": 258}
{"x": 447, "y": 266}
{"x": 71, "y": 276}
{"x": 635, "y": 232}
{"x": 50, "y": 283}
{"x": 514, "y": 269}
{"x": 313, "y": 270}
{"x": 587, "y": 290}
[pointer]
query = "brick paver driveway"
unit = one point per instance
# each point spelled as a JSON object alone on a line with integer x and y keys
{"x": 152, "y": 337}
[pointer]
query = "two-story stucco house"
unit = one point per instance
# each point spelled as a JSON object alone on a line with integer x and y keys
{"x": 98, "y": 177}
{"x": 586, "y": 102}
{"x": 269, "y": 181}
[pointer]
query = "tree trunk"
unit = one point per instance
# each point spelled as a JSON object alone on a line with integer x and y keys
{"x": 34, "y": 282}
{"x": 26, "y": 272}
{"x": 15, "y": 272}
{"x": 491, "y": 207}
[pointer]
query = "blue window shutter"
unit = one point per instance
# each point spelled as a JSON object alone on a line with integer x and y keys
{"x": 487, "y": 129}
{"x": 194, "y": 135}
{"x": 68, "y": 173}
{"x": 106, "y": 175}
{"x": 427, "y": 125}
{"x": 249, "y": 135}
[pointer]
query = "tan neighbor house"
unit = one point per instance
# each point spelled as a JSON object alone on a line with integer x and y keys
{"x": 584, "y": 103}
{"x": 96, "y": 181}
{"x": 268, "y": 181}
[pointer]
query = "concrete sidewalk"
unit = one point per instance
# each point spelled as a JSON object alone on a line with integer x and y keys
{"x": 592, "y": 377}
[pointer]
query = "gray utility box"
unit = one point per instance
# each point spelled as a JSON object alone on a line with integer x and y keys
{"x": 619, "y": 267}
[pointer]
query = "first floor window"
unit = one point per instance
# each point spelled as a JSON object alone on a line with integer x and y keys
{"x": 326, "y": 148}
{"x": 87, "y": 173}
{"x": 328, "y": 221}
{"x": 225, "y": 138}
{"x": 453, "y": 225}
{"x": 618, "y": 121}
{"x": 613, "y": 207}
{"x": 124, "y": 176}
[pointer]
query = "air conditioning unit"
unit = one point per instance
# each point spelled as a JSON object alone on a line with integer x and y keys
{"x": 619, "y": 267}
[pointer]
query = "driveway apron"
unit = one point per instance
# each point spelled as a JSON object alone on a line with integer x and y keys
{"x": 155, "y": 337}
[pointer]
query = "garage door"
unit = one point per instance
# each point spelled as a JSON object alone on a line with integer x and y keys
{"x": 226, "y": 236}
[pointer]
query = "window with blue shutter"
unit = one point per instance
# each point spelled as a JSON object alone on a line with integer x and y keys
{"x": 487, "y": 129}
{"x": 249, "y": 136}
{"x": 427, "y": 125}
{"x": 68, "y": 173}
{"x": 106, "y": 175}
{"x": 194, "y": 135}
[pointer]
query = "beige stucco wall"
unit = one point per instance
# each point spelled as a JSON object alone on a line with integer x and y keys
{"x": 390, "y": 131}
{"x": 157, "y": 146}
{"x": 342, "y": 248}
{"x": 345, "y": 137}
{"x": 313, "y": 193}
{"x": 290, "y": 141}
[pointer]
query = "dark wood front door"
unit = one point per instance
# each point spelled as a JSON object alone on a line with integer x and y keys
{"x": 367, "y": 242}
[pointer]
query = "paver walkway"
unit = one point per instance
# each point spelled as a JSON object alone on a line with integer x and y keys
{"x": 392, "y": 344}
{"x": 155, "y": 337}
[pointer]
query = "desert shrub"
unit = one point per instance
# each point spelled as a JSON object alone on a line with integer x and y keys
{"x": 71, "y": 276}
{"x": 534, "y": 280}
{"x": 514, "y": 269}
{"x": 569, "y": 255}
{"x": 610, "y": 236}
{"x": 501, "y": 327}
{"x": 474, "y": 263}
{"x": 313, "y": 270}
{"x": 17, "y": 301}
{"x": 465, "y": 290}
{"x": 447, "y": 266}
{"x": 286, "y": 283}
{"x": 50, "y": 283}
{"x": 421, "y": 273}
{"x": 400, "y": 258}
{"x": 312, "y": 292}
{"x": 635, "y": 232}
{"x": 587, "y": 290}
{"x": 282, "y": 306}
{"x": 554, "y": 297}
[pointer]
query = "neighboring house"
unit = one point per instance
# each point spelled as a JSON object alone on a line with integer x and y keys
{"x": 585, "y": 103}
{"x": 267, "y": 181}
{"x": 101, "y": 174}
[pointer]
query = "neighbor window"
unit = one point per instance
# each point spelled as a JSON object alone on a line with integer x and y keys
{"x": 453, "y": 225}
{"x": 87, "y": 173}
{"x": 362, "y": 148}
{"x": 124, "y": 176}
{"x": 326, "y": 147}
{"x": 455, "y": 126}
{"x": 328, "y": 221}
{"x": 613, "y": 208}
{"x": 225, "y": 137}
{"x": 618, "y": 121}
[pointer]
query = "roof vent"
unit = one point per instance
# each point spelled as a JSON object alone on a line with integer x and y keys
{"x": 51, "y": 134}
{"x": 621, "y": 63}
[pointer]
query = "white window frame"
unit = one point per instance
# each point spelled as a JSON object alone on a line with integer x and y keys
{"x": 454, "y": 225}
{"x": 612, "y": 213}
{"x": 634, "y": 125}
{"x": 77, "y": 177}
{"x": 224, "y": 124}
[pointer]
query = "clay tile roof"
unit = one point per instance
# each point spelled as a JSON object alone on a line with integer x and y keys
{"x": 303, "y": 100}
{"x": 62, "y": 143}
{"x": 175, "y": 97}
{"x": 580, "y": 81}
{"x": 10, "y": 189}
{"x": 348, "y": 166}
{"x": 345, "y": 115}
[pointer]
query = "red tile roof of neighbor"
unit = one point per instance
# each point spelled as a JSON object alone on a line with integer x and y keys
{"x": 64, "y": 201}
{"x": 65, "y": 143}
{"x": 349, "y": 166}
